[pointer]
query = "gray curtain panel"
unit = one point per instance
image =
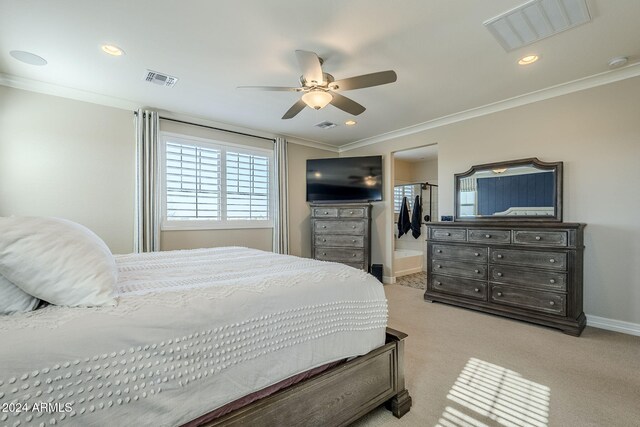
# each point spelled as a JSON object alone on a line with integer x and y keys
{"x": 281, "y": 203}
{"x": 147, "y": 224}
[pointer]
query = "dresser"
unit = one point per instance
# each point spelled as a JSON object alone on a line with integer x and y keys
{"x": 342, "y": 233}
{"x": 525, "y": 271}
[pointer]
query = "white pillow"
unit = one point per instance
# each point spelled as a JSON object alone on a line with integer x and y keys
{"x": 57, "y": 261}
{"x": 13, "y": 299}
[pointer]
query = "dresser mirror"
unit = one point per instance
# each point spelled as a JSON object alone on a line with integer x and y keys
{"x": 517, "y": 190}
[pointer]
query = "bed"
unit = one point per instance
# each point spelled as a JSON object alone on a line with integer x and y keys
{"x": 196, "y": 330}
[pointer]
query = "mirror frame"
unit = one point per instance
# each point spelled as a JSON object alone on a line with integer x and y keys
{"x": 554, "y": 166}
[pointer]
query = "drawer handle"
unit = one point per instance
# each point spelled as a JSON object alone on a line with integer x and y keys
{"x": 538, "y": 238}
{"x": 353, "y": 241}
{"x": 552, "y": 260}
{"x": 499, "y": 256}
{"x": 499, "y": 274}
{"x": 477, "y": 289}
{"x": 499, "y": 294}
{"x": 324, "y": 253}
{"x": 324, "y": 240}
{"x": 354, "y": 255}
{"x": 488, "y": 236}
{"x": 476, "y": 271}
{"x": 326, "y": 213}
{"x": 353, "y": 226}
{"x": 476, "y": 254}
{"x": 438, "y": 283}
{"x": 439, "y": 251}
{"x": 552, "y": 303}
{"x": 438, "y": 266}
{"x": 350, "y": 212}
{"x": 447, "y": 234}
{"x": 324, "y": 226}
{"x": 552, "y": 281}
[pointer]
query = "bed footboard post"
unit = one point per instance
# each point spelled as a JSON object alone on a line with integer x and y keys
{"x": 399, "y": 404}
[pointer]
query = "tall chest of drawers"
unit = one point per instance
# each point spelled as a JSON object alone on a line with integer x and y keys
{"x": 528, "y": 271}
{"x": 342, "y": 233}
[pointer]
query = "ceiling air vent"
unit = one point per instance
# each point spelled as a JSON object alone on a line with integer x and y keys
{"x": 536, "y": 20}
{"x": 326, "y": 125}
{"x": 160, "y": 79}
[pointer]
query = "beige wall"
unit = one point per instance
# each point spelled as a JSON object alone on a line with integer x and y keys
{"x": 425, "y": 171}
{"x": 299, "y": 212}
{"x": 596, "y": 133}
{"x": 402, "y": 172}
{"x": 69, "y": 159}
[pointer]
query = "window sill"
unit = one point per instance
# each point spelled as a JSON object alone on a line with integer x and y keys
{"x": 210, "y": 225}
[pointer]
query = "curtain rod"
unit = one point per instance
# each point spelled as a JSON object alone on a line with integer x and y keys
{"x": 212, "y": 127}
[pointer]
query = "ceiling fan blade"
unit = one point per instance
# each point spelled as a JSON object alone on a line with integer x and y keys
{"x": 310, "y": 66}
{"x": 346, "y": 104}
{"x": 294, "y": 110}
{"x": 366, "y": 80}
{"x": 272, "y": 88}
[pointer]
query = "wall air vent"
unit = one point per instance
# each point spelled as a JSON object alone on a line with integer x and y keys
{"x": 326, "y": 125}
{"x": 160, "y": 79}
{"x": 536, "y": 20}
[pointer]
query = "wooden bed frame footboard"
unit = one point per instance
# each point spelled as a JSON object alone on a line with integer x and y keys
{"x": 336, "y": 397}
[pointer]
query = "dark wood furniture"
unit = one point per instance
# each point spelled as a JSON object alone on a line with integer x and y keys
{"x": 505, "y": 171}
{"x": 342, "y": 233}
{"x": 336, "y": 397}
{"x": 529, "y": 271}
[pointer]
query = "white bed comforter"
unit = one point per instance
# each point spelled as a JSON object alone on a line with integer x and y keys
{"x": 193, "y": 330}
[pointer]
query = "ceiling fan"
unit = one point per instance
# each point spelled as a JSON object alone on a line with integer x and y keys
{"x": 320, "y": 88}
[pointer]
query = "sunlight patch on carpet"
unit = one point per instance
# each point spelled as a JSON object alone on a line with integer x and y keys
{"x": 488, "y": 393}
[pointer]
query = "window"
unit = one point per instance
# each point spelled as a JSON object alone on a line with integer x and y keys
{"x": 208, "y": 184}
{"x": 467, "y": 203}
{"x": 400, "y": 191}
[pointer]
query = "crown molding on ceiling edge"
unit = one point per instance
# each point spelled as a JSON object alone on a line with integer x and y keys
{"x": 604, "y": 78}
{"x": 126, "y": 104}
{"x": 595, "y": 80}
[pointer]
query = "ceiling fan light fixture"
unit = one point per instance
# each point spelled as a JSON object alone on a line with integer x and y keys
{"x": 317, "y": 99}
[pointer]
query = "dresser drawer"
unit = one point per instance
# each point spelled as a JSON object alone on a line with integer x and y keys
{"x": 340, "y": 240}
{"x": 551, "y": 280}
{"x": 340, "y": 255}
{"x": 545, "y": 259}
{"x": 459, "y": 269}
{"x": 545, "y": 302}
{"x": 351, "y": 213}
{"x": 489, "y": 236}
{"x": 339, "y": 227}
{"x": 358, "y": 265}
{"x": 453, "y": 285}
{"x": 545, "y": 238}
{"x": 324, "y": 212}
{"x": 451, "y": 234}
{"x": 467, "y": 253}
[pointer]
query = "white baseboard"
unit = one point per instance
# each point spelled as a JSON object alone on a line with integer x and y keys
{"x": 388, "y": 280}
{"x": 613, "y": 325}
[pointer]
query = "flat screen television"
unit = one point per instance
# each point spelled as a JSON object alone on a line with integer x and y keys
{"x": 344, "y": 179}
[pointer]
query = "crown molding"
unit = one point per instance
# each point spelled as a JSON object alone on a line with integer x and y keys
{"x": 595, "y": 80}
{"x": 67, "y": 92}
{"x": 312, "y": 144}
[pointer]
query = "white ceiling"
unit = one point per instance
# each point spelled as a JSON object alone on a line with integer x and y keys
{"x": 446, "y": 60}
{"x": 430, "y": 152}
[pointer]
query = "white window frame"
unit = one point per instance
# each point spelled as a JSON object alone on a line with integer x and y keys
{"x": 211, "y": 224}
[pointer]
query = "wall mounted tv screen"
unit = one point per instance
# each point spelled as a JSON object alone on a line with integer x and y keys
{"x": 344, "y": 179}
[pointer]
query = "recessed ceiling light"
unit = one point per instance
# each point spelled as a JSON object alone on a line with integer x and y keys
{"x": 350, "y": 123}
{"x": 28, "y": 57}
{"x": 618, "y": 61}
{"x": 112, "y": 50}
{"x": 529, "y": 59}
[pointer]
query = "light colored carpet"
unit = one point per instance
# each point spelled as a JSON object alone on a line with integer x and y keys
{"x": 465, "y": 368}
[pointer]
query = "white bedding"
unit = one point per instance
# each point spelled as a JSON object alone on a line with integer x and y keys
{"x": 192, "y": 330}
